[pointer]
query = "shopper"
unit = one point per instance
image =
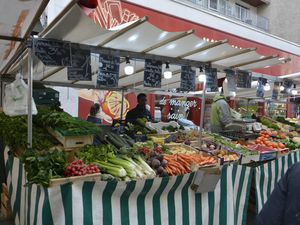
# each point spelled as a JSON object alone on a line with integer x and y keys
{"x": 93, "y": 112}
{"x": 140, "y": 111}
{"x": 283, "y": 206}
{"x": 220, "y": 115}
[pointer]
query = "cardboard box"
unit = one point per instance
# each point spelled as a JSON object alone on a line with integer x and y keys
{"x": 206, "y": 180}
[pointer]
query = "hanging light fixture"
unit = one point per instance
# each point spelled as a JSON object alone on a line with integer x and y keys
{"x": 294, "y": 91}
{"x": 267, "y": 87}
{"x": 281, "y": 88}
{"x": 128, "y": 69}
{"x": 168, "y": 73}
{"x": 202, "y": 76}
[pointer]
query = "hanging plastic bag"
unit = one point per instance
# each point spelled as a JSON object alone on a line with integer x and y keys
{"x": 15, "y": 98}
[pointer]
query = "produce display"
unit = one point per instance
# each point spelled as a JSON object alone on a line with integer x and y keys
{"x": 219, "y": 151}
{"x": 270, "y": 124}
{"x": 172, "y": 128}
{"x": 179, "y": 164}
{"x": 42, "y": 166}
{"x": 79, "y": 168}
{"x": 290, "y": 122}
{"x": 64, "y": 123}
{"x": 181, "y": 149}
{"x": 243, "y": 150}
{"x": 139, "y": 127}
{"x": 271, "y": 140}
{"x": 115, "y": 156}
{"x": 14, "y": 133}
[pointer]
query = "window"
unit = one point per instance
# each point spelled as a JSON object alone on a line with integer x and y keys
{"x": 242, "y": 13}
{"x": 213, "y": 4}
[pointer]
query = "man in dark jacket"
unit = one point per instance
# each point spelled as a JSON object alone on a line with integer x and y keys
{"x": 140, "y": 111}
{"x": 283, "y": 206}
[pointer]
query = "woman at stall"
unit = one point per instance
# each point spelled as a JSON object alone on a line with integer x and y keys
{"x": 93, "y": 114}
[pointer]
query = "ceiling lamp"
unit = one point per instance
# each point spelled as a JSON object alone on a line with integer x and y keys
{"x": 168, "y": 73}
{"x": 294, "y": 91}
{"x": 128, "y": 69}
{"x": 254, "y": 83}
{"x": 267, "y": 87}
{"x": 281, "y": 87}
{"x": 202, "y": 76}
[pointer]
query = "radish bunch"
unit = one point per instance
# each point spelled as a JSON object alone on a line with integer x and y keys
{"x": 79, "y": 168}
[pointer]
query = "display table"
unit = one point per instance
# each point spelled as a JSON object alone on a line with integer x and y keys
{"x": 167, "y": 200}
{"x": 268, "y": 174}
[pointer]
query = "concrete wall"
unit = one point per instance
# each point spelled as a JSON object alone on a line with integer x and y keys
{"x": 284, "y": 18}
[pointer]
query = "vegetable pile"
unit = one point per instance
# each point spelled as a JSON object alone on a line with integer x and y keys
{"x": 271, "y": 140}
{"x": 42, "y": 166}
{"x": 179, "y": 164}
{"x": 14, "y": 133}
{"x": 64, "y": 123}
{"x": 79, "y": 168}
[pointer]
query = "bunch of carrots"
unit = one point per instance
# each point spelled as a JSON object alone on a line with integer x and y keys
{"x": 179, "y": 164}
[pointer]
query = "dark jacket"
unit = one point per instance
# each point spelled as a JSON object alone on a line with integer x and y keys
{"x": 138, "y": 112}
{"x": 94, "y": 119}
{"x": 283, "y": 206}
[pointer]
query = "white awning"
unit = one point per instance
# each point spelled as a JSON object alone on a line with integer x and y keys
{"x": 17, "y": 20}
{"x": 142, "y": 36}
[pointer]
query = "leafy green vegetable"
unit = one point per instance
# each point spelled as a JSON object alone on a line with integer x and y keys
{"x": 41, "y": 167}
{"x": 14, "y": 133}
{"x": 64, "y": 123}
{"x": 91, "y": 153}
{"x": 269, "y": 124}
{"x": 236, "y": 147}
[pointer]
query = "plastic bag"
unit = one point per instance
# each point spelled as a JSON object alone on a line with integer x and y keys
{"x": 15, "y": 98}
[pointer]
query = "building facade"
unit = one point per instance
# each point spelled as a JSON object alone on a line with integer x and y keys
{"x": 284, "y": 18}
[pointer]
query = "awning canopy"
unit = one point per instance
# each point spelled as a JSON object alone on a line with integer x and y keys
{"x": 17, "y": 21}
{"x": 143, "y": 37}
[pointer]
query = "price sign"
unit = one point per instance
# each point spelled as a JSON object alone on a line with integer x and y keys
{"x": 108, "y": 75}
{"x": 81, "y": 65}
{"x": 152, "y": 73}
{"x": 188, "y": 79}
{"x": 53, "y": 52}
{"x": 211, "y": 80}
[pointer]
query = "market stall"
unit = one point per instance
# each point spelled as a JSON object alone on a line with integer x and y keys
{"x": 94, "y": 184}
{"x": 153, "y": 201}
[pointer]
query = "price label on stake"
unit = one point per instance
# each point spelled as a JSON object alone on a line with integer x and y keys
{"x": 108, "y": 75}
{"x": 52, "y": 52}
{"x": 81, "y": 65}
{"x": 152, "y": 73}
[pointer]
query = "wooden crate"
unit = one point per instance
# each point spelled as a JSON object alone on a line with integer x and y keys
{"x": 72, "y": 141}
{"x": 89, "y": 177}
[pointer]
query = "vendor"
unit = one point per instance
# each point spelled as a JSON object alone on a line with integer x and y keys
{"x": 93, "y": 112}
{"x": 140, "y": 111}
{"x": 220, "y": 115}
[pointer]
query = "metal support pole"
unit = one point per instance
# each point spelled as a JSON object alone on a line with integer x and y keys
{"x": 1, "y": 93}
{"x": 202, "y": 113}
{"x": 122, "y": 104}
{"x": 29, "y": 100}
